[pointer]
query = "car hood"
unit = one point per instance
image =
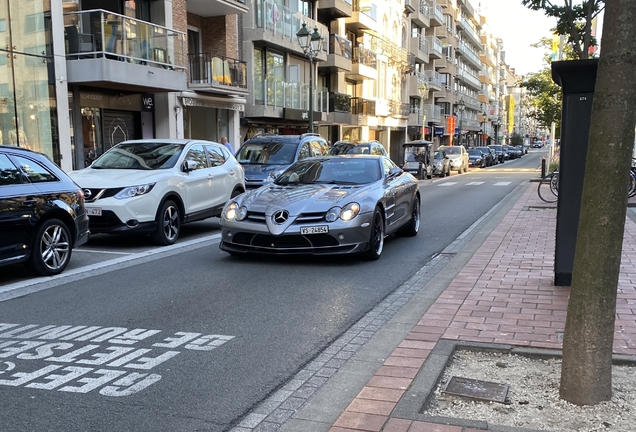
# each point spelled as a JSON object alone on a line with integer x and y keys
{"x": 451, "y": 157}
{"x": 301, "y": 198}
{"x": 114, "y": 178}
{"x": 259, "y": 171}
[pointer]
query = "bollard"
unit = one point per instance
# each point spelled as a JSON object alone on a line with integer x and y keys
{"x": 543, "y": 167}
{"x": 419, "y": 171}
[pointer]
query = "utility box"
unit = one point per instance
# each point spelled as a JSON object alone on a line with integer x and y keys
{"x": 577, "y": 78}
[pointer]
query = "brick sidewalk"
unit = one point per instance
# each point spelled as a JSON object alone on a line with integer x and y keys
{"x": 503, "y": 295}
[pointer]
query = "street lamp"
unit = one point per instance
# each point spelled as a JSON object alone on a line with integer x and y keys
{"x": 311, "y": 44}
{"x": 461, "y": 105}
{"x": 484, "y": 119}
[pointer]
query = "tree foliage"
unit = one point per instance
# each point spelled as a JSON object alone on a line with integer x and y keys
{"x": 544, "y": 102}
{"x": 574, "y": 21}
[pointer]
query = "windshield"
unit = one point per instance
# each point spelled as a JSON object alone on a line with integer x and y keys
{"x": 141, "y": 156}
{"x": 331, "y": 171}
{"x": 438, "y": 154}
{"x": 267, "y": 153}
{"x": 474, "y": 152}
{"x": 453, "y": 150}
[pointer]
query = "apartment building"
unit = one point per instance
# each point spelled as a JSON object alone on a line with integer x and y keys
{"x": 79, "y": 76}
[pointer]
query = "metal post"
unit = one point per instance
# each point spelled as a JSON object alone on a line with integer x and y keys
{"x": 311, "y": 92}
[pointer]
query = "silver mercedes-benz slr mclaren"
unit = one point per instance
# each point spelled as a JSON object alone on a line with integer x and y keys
{"x": 323, "y": 206}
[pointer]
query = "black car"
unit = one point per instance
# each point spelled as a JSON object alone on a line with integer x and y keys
{"x": 42, "y": 216}
{"x": 476, "y": 158}
{"x": 489, "y": 155}
{"x": 265, "y": 156}
{"x": 500, "y": 152}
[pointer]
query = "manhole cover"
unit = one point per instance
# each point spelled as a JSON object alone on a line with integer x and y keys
{"x": 476, "y": 389}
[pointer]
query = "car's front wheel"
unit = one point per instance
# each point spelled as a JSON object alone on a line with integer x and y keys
{"x": 413, "y": 226}
{"x": 376, "y": 238}
{"x": 168, "y": 224}
{"x": 52, "y": 248}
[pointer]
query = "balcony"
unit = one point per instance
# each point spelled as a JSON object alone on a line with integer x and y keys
{"x": 339, "y": 109}
{"x": 433, "y": 113}
{"x": 212, "y": 8}
{"x": 276, "y": 26}
{"x": 469, "y": 56}
{"x": 360, "y": 106}
{"x": 433, "y": 80}
{"x": 274, "y": 94}
{"x": 486, "y": 77}
{"x": 329, "y": 10}
{"x": 421, "y": 16}
{"x": 364, "y": 65}
{"x": 340, "y": 54}
{"x": 420, "y": 48}
{"x": 364, "y": 16}
{"x": 415, "y": 117}
{"x": 113, "y": 51}
{"x": 217, "y": 74}
{"x": 399, "y": 109}
{"x": 469, "y": 79}
{"x": 436, "y": 14}
{"x": 435, "y": 47}
{"x": 469, "y": 30}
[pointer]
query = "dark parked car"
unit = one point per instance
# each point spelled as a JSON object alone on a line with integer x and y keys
{"x": 476, "y": 158}
{"x": 500, "y": 152}
{"x": 42, "y": 216}
{"x": 348, "y": 147}
{"x": 489, "y": 155}
{"x": 418, "y": 153}
{"x": 265, "y": 156}
{"x": 324, "y": 206}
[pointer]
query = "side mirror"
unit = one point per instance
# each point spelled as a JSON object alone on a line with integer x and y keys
{"x": 188, "y": 166}
{"x": 395, "y": 172}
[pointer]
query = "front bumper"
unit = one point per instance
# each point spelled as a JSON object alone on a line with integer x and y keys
{"x": 136, "y": 214}
{"x": 255, "y": 238}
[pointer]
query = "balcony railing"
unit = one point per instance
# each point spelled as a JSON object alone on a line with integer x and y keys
{"x": 366, "y": 7}
{"x": 100, "y": 33}
{"x": 437, "y": 10}
{"x": 206, "y": 68}
{"x": 433, "y": 112}
{"x": 435, "y": 44}
{"x": 340, "y": 102}
{"x": 364, "y": 56}
{"x": 278, "y": 92}
{"x": 433, "y": 78}
{"x": 422, "y": 43}
{"x": 340, "y": 46}
{"x": 399, "y": 109}
{"x": 283, "y": 21}
{"x": 361, "y": 106}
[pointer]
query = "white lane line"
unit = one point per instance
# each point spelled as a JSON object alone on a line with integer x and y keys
{"x": 447, "y": 184}
{"x": 502, "y": 183}
{"x": 102, "y": 252}
{"x": 474, "y": 183}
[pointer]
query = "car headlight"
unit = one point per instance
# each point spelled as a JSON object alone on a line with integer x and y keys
{"x": 235, "y": 212}
{"x": 134, "y": 191}
{"x": 345, "y": 213}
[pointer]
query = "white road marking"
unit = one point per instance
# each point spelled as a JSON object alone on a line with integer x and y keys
{"x": 447, "y": 184}
{"x": 474, "y": 183}
{"x": 102, "y": 251}
{"x": 502, "y": 183}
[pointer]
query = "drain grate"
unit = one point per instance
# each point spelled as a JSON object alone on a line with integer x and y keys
{"x": 476, "y": 389}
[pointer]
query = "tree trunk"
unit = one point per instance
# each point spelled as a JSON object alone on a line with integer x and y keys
{"x": 589, "y": 330}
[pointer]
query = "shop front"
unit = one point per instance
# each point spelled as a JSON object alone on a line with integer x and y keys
{"x": 211, "y": 117}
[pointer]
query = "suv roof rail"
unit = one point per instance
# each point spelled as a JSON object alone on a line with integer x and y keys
{"x": 309, "y": 134}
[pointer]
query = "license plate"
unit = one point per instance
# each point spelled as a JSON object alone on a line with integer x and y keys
{"x": 94, "y": 211}
{"x": 314, "y": 230}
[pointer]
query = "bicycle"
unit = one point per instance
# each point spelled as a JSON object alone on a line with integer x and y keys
{"x": 549, "y": 187}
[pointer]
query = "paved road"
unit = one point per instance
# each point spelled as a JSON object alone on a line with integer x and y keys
{"x": 188, "y": 338}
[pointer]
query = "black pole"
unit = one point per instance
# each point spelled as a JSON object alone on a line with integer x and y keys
{"x": 311, "y": 92}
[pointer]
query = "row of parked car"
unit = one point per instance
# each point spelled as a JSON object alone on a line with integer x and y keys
{"x": 142, "y": 187}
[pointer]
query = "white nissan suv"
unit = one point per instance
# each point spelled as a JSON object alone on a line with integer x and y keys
{"x": 458, "y": 158}
{"x": 154, "y": 186}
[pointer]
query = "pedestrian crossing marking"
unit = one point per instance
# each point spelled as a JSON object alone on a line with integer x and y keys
{"x": 474, "y": 183}
{"x": 447, "y": 184}
{"x": 502, "y": 183}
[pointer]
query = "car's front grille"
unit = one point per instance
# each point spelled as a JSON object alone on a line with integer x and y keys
{"x": 303, "y": 218}
{"x": 97, "y": 194}
{"x": 106, "y": 221}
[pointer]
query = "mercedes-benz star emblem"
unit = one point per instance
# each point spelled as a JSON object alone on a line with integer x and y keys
{"x": 280, "y": 217}
{"x": 87, "y": 193}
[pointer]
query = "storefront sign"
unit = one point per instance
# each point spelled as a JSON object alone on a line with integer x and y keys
{"x": 118, "y": 101}
{"x": 438, "y": 131}
{"x": 148, "y": 102}
{"x": 207, "y": 103}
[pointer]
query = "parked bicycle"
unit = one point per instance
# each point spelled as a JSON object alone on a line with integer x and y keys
{"x": 549, "y": 186}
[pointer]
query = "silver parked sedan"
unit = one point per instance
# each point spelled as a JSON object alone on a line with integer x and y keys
{"x": 322, "y": 206}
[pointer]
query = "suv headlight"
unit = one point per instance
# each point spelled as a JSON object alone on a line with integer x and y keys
{"x": 134, "y": 191}
{"x": 345, "y": 213}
